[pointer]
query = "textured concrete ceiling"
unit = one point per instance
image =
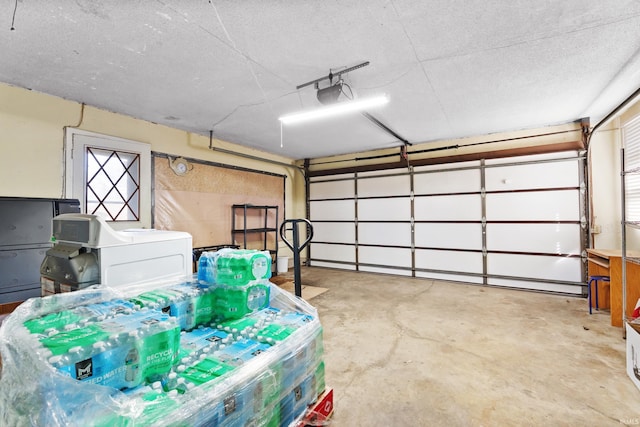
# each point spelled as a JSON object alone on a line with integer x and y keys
{"x": 451, "y": 68}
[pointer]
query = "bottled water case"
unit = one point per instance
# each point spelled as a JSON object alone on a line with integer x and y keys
{"x": 224, "y": 347}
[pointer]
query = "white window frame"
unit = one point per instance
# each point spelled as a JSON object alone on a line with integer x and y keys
{"x": 631, "y": 144}
{"x": 76, "y": 142}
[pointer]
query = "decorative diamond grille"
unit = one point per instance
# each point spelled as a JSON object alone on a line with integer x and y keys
{"x": 113, "y": 184}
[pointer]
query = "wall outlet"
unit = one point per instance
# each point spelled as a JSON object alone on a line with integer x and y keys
{"x": 596, "y": 229}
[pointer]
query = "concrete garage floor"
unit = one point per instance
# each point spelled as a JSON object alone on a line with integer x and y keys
{"x": 419, "y": 352}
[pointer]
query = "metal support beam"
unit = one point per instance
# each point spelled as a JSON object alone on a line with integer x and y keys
{"x": 385, "y": 128}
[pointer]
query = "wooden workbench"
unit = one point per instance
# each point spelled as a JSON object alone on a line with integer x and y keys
{"x": 608, "y": 262}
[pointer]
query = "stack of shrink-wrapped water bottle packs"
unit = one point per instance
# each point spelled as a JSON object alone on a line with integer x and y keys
{"x": 222, "y": 348}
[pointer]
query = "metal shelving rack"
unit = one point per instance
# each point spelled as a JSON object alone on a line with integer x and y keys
{"x": 264, "y": 230}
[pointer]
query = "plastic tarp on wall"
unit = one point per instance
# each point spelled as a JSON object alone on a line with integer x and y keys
{"x": 199, "y": 202}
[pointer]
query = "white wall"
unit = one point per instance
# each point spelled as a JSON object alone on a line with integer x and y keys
{"x": 604, "y": 161}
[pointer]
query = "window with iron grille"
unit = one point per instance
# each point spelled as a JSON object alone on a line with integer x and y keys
{"x": 113, "y": 184}
{"x": 110, "y": 176}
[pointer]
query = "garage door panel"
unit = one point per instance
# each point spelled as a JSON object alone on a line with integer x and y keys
{"x": 389, "y": 234}
{"x": 316, "y": 263}
{"x": 382, "y": 270}
{"x": 337, "y": 232}
{"x": 398, "y": 257}
{"x": 329, "y": 252}
{"x": 451, "y": 236}
{"x": 399, "y": 185}
{"x": 450, "y": 277}
{"x": 532, "y": 158}
{"x": 449, "y": 166}
{"x": 339, "y": 189}
{"x": 534, "y": 266}
{"x": 383, "y": 173}
{"x": 448, "y": 208}
{"x": 561, "y": 205}
{"x": 537, "y": 286}
{"x": 461, "y": 181}
{"x": 542, "y": 238}
{"x": 388, "y": 209}
{"x": 332, "y": 210}
{"x": 532, "y": 176}
{"x": 469, "y": 262}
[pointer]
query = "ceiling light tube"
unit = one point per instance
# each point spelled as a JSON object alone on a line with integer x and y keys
{"x": 334, "y": 110}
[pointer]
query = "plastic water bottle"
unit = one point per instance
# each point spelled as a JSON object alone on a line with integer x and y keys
{"x": 239, "y": 267}
{"x": 206, "y": 268}
{"x": 294, "y": 366}
{"x": 319, "y": 381}
{"x": 200, "y": 340}
{"x": 294, "y": 319}
{"x": 133, "y": 375}
{"x": 156, "y": 405}
{"x": 104, "y": 310}
{"x": 235, "y": 302}
{"x": 268, "y": 314}
{"x": 156, "y": 299}
{"x": 303, "y": 395}
{"x": 181, "y": 306}
{"x": 315, "y": 350}
{"x": 52, "y": 322}
{"x": 62, "y": 342}
{"x": 274, "y": 333}
{"x": 258, "y": 296}
{"x": 203, "y": 307}
{"x": 151, "y": 340}
{"x": 241, "y": 351}
{"x": 264, "y": 393}
{"x": 239, "y": 326}
{"x": 158, "y": 349}
{"x": 96, "y": 357}
{"x": 205, "y": 371}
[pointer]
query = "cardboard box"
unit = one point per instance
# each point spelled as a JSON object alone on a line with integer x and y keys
{"x": 633, "y": 353}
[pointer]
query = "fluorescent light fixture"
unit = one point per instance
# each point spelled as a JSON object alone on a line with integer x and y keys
{"x": 335, "y": 109}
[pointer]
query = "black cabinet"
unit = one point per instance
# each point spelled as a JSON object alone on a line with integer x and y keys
{"x": 25, "y": 236}
{"x": 255, "y": 227}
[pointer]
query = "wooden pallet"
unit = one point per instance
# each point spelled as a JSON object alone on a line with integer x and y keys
{"x": 320, "y": 412}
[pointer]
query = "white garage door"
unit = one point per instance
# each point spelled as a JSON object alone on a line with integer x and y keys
{"x": 514, "y": 222}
